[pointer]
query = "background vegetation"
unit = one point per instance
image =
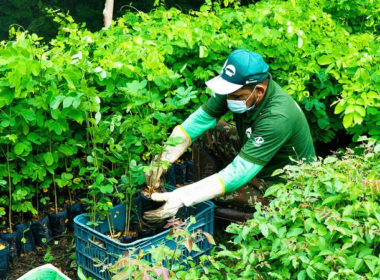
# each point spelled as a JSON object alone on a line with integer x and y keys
{"x": 87, "y": 107}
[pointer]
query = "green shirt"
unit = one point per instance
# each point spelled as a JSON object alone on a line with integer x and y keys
{"x": 272, "y": 133}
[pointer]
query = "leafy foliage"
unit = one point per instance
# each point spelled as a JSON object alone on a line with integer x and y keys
{"x": 323, "y": 223}
{"x": 81, "y": 110}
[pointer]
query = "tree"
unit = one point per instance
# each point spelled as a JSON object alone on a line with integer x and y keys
{"x": 107, "y": 13}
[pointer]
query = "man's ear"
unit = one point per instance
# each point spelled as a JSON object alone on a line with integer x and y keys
{"x": 260, "y": 88}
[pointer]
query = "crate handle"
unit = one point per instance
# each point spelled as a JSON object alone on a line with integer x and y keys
{"x": 96, "y": 244}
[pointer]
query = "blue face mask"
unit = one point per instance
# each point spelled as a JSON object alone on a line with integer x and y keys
{"x": 240, "y": 106}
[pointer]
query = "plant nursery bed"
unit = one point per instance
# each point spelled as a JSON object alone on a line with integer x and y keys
{"x": 96, "y": 251}
{"x": 60, "y": 255}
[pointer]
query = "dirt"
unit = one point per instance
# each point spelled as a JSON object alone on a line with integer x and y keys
{"x": 62, "y": 253}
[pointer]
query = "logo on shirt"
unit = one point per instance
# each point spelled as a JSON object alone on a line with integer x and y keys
{"x": 230, "y": 70}
{"x": 248, "y": 132}
{"x": 258, "y": 141}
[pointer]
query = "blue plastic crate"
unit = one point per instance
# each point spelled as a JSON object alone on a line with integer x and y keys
{"x": 93, "y": 246}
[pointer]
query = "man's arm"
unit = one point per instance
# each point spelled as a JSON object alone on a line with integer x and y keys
{"x": 238, "y": 173}
{"x": 197, "y": 123}
{"x": 235, "y": 175}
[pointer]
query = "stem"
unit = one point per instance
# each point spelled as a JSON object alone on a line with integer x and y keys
{"x": 109, "y": 225}
{"x": 175, "y": 250}
{"x": 128, "y": 204}
{"x": 55, "y": 196}
{"x": 37, "y": 202}
{"x": 70, "y": 199}
{"x": 55, "y": 187}
{"x": 10, "y": 192}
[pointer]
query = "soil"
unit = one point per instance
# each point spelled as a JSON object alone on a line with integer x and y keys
{"x": 116, "y": 236}
{"x": 62, "y": 251}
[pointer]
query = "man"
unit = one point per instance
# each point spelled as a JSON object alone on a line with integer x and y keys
{"x": 270, "y": 125}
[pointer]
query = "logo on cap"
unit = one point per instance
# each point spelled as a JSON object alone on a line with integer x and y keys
{"x": 230, "y": 70}
{"x": 258, "y": 141}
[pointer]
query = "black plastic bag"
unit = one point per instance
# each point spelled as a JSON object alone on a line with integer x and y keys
{"x": 4, "y": 259}
{"x": 73, "y": 211}
{"x": 26, "y": 238}
{"x": 189, "y": 171}
{"x": 58, "y": 222}
{"x": 14, "y": 245}
{"x": 170, "y": 175}
{"x": 148, "y": 204}
{"x": 42, "y": 231}
{"x": 180, "y": 173}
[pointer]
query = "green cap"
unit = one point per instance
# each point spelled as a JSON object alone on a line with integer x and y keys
{"x": 241, "y": 68}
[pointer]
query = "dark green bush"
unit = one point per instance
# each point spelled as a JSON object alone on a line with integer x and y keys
{"x": 324, "y": 223}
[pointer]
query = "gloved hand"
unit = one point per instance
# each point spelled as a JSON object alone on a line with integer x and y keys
{"x": 171, "y": 154}
{"x": 189, "y": 195}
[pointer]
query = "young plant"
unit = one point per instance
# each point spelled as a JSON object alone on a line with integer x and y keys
{"x": 156, "y": 133}
{"x": 166, "y": 260}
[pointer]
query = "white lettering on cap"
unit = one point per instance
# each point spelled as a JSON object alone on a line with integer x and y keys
{"x": 230, "y": 70}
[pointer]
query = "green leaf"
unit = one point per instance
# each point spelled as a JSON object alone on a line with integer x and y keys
{"x": 331, "y": 200}
{"x": 4, "y": 123}
{"x": 56, "y": 102}
{"x": 48, "y": 158}
{"x": 33, "y": 137}
{"x": 358, "y": 264}
{"x": 6, "y": 96}
{"x": 350, "y": 109}
{"x": 338, "y": 108}
{"x": 325, "y": 60}
{"x": 323, "y": 122}
{"x": 264, "y": 229}
{"x": 67, "y": 101}
{"x": 203, "y": 51}
{"x": 310, "y": 272}
{"x": 360, "y": 110}
{"x": 329, "y": 159}
{"x": 106, "y": 188}
{"x": 19, "y": 148}
{"x": 301, "y": 275}
{"x": 80, "y": 274}
{"x": 332, "y": 274}
{"x": 347, "y": 120}
{"x": 271, "y": 190}
{"x": 98, "y": 116}
{"x": 321, "y": 266}
{"x": 357, "y": 118}
{"x": 294, "y": 232}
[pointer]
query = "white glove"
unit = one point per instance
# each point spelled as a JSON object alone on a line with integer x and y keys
{"x": 171, "y": 154}
{"x": 189, "y": 195}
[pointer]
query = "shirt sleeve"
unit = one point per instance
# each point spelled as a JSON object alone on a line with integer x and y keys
{"x": 197, "y": 123}
{"x": 238, "y": 173}
{"x": 216, "y": 106}
{"x": 267, "y": 137}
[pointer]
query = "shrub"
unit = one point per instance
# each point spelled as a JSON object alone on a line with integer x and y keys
{"x": 324, "y": 223}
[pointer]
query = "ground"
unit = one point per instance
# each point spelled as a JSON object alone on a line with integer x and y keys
{"x": 60, "y": 256}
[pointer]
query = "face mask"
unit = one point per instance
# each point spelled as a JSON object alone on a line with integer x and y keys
{"x": 240, "y": 106}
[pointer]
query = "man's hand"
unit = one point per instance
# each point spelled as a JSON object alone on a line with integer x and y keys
{"x": 207, "y": 188}
{"x": 169, "y": 209}
{"x": 171, "y": 154}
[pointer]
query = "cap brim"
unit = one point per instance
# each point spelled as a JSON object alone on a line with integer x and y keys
{"x": 221, "y": 86}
